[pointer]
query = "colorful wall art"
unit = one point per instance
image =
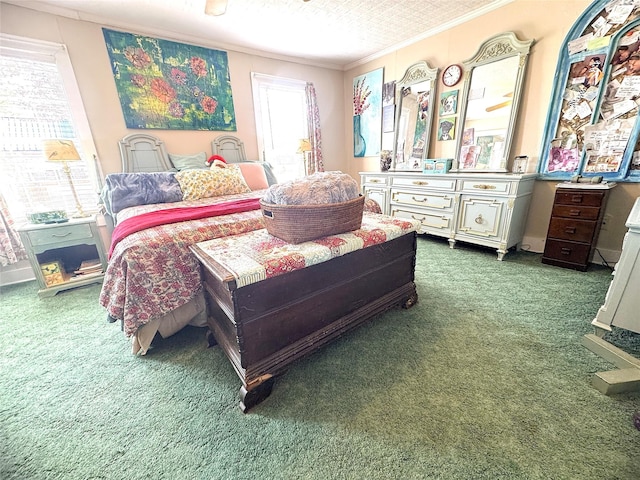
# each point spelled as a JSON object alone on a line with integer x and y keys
{"x": 367, "y": 114}
{"x": 170, "y": 85}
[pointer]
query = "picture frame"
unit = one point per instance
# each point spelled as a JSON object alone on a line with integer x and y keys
{"x": 447, "y": 128}
{"x": 449, "y": 103}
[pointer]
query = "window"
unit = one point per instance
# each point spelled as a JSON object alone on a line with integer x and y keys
{"x": 39, "y": 100}
{"x": 281, "y": 122}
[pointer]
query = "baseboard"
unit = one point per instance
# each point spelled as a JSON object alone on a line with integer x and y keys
{"x": 602, "y": 256}
{"x": 17, "y": 273}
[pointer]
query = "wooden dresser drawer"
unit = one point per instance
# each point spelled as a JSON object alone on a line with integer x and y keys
{"x": 429, "y": 200}
{"x": 62, "y": 234}
{"x": 576, "y": 211}
{"x": 570, "y": 229}
{"x": 374, "y": 180}
{"x": 584, "y": 198}
{"x": 437, "y": 223}
{"x": 494, "y": 187}
{"x": 566, "y": 252}
{"x": 434, "y": 182}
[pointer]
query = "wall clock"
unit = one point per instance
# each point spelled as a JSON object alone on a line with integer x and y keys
{"x": 452, "y": 75}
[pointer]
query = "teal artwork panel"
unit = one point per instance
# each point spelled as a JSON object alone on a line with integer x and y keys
{"x": 169, "y": 85}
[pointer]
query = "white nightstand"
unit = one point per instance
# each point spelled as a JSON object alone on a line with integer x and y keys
{"x": 61, "y": 250}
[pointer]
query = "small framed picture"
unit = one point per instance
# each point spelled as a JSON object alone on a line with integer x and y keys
{"x": 449, "y": 103}
{"x": 447, "y": 128}
{"x": 520, "y": 164}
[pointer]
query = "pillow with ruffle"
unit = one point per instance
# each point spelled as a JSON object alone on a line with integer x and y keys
{"x": 189, "y": 162}
{"x": 196, "y": 184}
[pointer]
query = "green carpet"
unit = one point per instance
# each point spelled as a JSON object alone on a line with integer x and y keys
{"x": 484, "y": 379}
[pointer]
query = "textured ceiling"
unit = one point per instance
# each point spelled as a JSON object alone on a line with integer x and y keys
{"x": 334, "y": 33}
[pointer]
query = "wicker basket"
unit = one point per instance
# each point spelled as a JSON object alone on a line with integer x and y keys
{"x": 301, "y": 223}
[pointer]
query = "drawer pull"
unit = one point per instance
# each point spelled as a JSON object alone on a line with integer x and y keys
{"x": 570, "y": 230}
{"x": 484, "y": 186}
{"x": 418, "y": 200}
{"x": 420, "y": 219}
{"x": 574, "y": 213}
{"x": 576, "y": 198}
{"x": 60, "y": 235}
{"x": 375, "y": 180}
{"x": 565, "y": 251}
{"x": 479, "y": 219}
{"x": 420, "y": 182}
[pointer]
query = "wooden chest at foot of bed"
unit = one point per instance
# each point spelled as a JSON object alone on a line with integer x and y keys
{"x": 264, "y": 326}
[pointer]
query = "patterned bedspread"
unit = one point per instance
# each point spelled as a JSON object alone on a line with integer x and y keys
{"x": 153, "y": 272}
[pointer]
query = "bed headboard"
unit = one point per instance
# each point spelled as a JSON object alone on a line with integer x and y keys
{"x": 230, "y": 148}
{"x": 141, "y": 152}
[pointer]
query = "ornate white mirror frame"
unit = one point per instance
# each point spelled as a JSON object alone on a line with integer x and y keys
{"x": 415, "y": 98}
{"x": 493, "y": 80}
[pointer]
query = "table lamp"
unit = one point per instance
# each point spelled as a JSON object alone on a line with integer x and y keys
{"x": 65, "y": 151}
{"x": 304, "y": 147}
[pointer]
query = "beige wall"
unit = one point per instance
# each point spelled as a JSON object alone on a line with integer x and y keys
{"x": 546, "y": 21}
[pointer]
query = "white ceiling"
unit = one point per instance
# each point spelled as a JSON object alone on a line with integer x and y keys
{"x": 332, "y": 33}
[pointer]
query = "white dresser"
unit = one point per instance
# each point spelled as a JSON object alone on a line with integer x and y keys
{"x": 622, "y": 304}
{"x": 487, "y": 209}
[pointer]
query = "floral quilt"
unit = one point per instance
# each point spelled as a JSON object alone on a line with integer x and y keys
{"x": 153, "y": 272}
{"x": 256, "y": 255}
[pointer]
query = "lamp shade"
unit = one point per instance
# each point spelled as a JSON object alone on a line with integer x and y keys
{"x": 60, "y": 151}
{"x": 215, "y": 7}
{"x": 304, "y": 146}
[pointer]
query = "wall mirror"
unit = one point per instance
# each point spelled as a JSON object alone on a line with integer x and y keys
{"x": 491, "y": 93}
{"x": 415, "y": 98}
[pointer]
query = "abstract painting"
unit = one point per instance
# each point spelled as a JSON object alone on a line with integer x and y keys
{"x": 367, "y": 114}
{"x": 169, "y": 85}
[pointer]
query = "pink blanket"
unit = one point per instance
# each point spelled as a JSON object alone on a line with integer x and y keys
{"x": 175, "y": 215}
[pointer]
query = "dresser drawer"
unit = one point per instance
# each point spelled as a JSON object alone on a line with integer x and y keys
{"x": 432, "y": 183}
{"x": 570, "y": 229}
{"x": 62, "y": 234}
{"x": 494, "y": 187}
{"x": 568, "y": 252}
{"x": 440, "y": 201}
{"x": 438, "y": 223}
{"x": 585, "y": 199}
{"x": 576, "y": 211}
{"x": 374, "y": 180}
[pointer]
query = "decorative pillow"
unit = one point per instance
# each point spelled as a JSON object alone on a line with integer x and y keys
{"x": 254, "y": 175}
{"x": 197, "y": 184}
{"x": 189, "y": 162}
{"x": 122, "y": 190}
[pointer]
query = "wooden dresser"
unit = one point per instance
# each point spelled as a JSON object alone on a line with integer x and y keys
{"x": 488, "y": 209}
{"x": 575, "y": 222}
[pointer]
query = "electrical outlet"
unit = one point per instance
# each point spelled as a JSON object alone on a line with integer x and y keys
{"x": 605, "y": 221}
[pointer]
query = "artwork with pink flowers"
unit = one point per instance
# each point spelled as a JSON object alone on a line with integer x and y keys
{"x": 169, "y": 85}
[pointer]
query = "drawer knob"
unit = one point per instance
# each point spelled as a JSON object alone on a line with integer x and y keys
{"x": 479, "y": 219}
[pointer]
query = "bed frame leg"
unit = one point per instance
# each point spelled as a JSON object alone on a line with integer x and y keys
{"x": 251, "y": 398}
{"x": 211, "y": 340}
